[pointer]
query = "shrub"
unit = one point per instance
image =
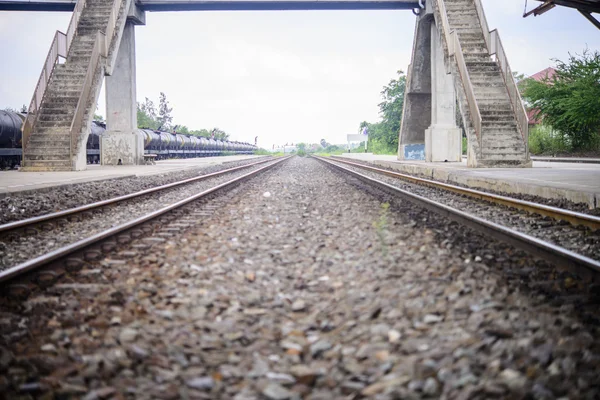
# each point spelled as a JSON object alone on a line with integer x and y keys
{"x": 545, "y": 140}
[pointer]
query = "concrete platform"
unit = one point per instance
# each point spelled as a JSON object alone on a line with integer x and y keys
{"x": 574, "y": 181}
{"x": 17, "y": 181}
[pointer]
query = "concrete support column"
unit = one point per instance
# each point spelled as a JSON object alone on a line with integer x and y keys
{"x": 443, "y": 140}
{"x": 121, "y": 144}
{"x": 416, "y": 114}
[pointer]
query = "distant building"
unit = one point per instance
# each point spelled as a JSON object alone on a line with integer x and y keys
{"x": 547, "y": 73}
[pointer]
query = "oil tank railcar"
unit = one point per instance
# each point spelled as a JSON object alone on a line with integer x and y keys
{"x": 164, "y": 144}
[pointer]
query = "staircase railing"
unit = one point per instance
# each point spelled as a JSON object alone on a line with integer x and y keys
{"x": 112, "y": 23}
{"x": 101, "y": 48}
{"x": 455, "y": 49}
{"x": 82, "y": 104}
{"x": 495, "y": 47}
{"x": 511, "y": 86}
{"x": 59, "y": 48}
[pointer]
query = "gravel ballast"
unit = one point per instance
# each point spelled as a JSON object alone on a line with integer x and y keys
{"x": 305, "y": 284}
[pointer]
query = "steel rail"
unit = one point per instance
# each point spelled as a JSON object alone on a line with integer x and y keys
{"x": 87, "y": 207}
{"x": 64, "y": 251}
{"x": 556, "y": 255}
{"x": 574, "y": 218}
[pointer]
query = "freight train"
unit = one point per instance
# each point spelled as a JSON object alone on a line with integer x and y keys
{"x": 163, "y": 144}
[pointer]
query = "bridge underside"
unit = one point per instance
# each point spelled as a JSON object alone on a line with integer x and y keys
{"x": 456, "y": 60}
{"x": 223, "y": 5}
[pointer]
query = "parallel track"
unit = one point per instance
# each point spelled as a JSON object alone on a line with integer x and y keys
{"x": 574, "y": 218}
{"x": 559, "y": 256}
{"x": 35, "y": 221}
{"x": 64, "y": 257}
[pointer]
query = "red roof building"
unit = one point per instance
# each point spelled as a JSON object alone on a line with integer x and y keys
{"x": 547, "y": 73}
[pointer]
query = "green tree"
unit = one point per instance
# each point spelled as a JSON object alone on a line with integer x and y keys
{"x": 164, "y": 112}
{"x": 301, "y": 149}
{"x": 146, "y": 115}
{"x": 149, "y": 118}
{"x": 569, "y": 102}
{"x": 201, "y": 132}
{"x": 383, "y": 135}
{"x": 21, "y": 110}
{"x": 220, "y": 134}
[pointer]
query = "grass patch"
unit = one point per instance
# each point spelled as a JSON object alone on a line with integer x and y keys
{"x": 381, "y": 227}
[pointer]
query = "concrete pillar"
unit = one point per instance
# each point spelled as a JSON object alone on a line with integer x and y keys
{"x": 416, "y": 114}
{"x": 121, "y": 144}
{"x": 443, "y": 140}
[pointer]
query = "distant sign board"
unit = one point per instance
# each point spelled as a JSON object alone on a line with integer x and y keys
{"x": 357, "y": 138}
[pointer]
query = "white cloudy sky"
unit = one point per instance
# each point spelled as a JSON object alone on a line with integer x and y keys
{"x": 284, "y": 76}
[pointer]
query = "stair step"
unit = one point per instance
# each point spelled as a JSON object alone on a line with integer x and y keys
{"x": 55, "y": 117}
{"x": 504, "y": 163}
{"x": 44, "y": 153}
{"x": 63, "y": 157}
{"x": 498, "y": 119}
{"x": 484, "y": 72}
{"x": 511, "y": 158}
{"x": 38, "y": 141}
{"x": 496, "y": 113}
{"x": 55, "y": 111}
{"x": 53, "y": 125}
{"x": 45, "y": 165}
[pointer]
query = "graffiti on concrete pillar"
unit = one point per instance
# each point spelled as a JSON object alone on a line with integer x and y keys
{"x": 414, "y": 152}
{"x": 118, "y": 147}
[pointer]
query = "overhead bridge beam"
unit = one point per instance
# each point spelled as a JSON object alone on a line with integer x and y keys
{"x": 223, "y": 5}
{"x": 585, "y": 7}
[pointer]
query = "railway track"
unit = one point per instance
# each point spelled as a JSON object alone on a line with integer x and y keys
{"x": 574, "y": 218}
{"x": 570, "y": 258}
{"x": 48, "y": 266}
{"x": 302, "y": 284}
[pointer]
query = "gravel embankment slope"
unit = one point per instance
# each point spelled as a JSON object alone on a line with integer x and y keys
{"x": 317, "y": 291}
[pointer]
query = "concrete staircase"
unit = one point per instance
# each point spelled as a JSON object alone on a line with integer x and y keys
{"x": 502, "y": 142}
{"x": 51, "y": 145}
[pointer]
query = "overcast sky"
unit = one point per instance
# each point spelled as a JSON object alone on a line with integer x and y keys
{"x": 295, "y": 76}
